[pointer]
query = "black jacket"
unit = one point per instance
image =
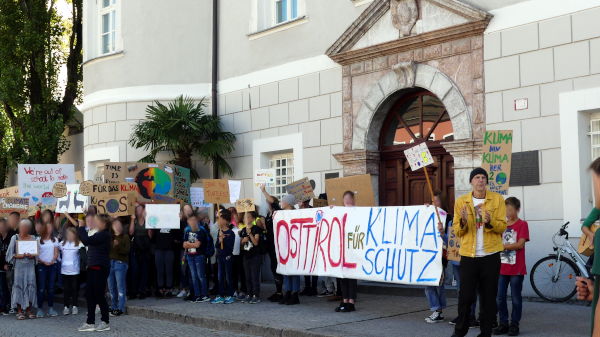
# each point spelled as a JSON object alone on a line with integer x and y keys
{"x": 98, "y": 247}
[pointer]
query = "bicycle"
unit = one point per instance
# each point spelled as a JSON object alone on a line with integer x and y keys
{"x": 553, "y": 277}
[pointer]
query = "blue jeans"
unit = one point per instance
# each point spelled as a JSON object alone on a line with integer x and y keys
{"x": 4, "y": 294}
{"x": 117, "y": 285}
{"x": 516, "y": 286}
{"x": 225, "y": 271}
{"x": 45, "y": 286}
{"x": 456, "y": 272}
{"x": 291, "y": 283}
{"x": 436, "y": 297}
{"x": 197, "y": 270}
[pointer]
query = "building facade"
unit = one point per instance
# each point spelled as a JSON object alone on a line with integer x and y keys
{"x": 341, "y": 87}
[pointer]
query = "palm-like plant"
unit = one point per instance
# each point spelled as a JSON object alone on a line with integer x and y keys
{"x": 182, "y": 128}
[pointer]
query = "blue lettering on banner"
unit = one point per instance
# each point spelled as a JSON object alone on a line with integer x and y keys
{"x": 420, "y": 279}
{"x": 430, "y": 221}
{"x": 370, "y": 226}
{"x": 414, "y": 219}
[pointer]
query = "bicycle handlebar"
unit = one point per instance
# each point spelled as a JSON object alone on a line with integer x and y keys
{"x": 563, "y": 232}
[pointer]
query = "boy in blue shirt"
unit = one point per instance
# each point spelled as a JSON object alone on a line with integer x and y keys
{"x": 194, "y": 243}
{"x": 224, "y": 248}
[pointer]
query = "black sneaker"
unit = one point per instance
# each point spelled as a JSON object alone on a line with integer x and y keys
{"x": 340, "y": 307}
{"x": 276, "y": 297}
{"x": 116, "y": 313}
{"x": 453, "y": 322}
{"x": 473, "y": 323}
{"x": 435, "y": 317}
{"x": 513, "y": 330}
{"x": 502, "y": 329}
{"x": 348, "y": 307}
{"x": 190, "y": 298}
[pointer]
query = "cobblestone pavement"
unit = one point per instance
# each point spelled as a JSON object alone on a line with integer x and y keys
{"x": 123, "y": 326}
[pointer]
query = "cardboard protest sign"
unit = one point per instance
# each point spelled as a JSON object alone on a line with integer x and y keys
{"x": 301, "y": 189}
{"x": 382, "y": 244}
{"x": 86, "y": 187}
{"x": 160, "y": 216}
{"x": 319, "y": 203}
{"x": 14, "y": 204}
{"x": 216, "y": 191}
{"x": 36, "y": 180}
{"x": 418, "y": 156}
{"x": 181, "y": 184}
{"x": 361, "y": 185}
{"x": 59, "y": 190}
{"x": 235, "y": 189}
{"x": 264, "y": 176}
{"x": 121, "y": 204}
{"x": 197, "y": 197}
{"x": 496, "y": 159}
{"x": 244, "y": 205}
{"x": 73, "y": 202}
{"x": 453, "y": 245}
{"x": 12, "y": 191}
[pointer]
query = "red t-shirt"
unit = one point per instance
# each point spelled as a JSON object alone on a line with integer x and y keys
{"x": 513, "y": 261}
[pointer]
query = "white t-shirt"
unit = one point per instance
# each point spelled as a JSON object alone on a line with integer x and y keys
{"x": 237, "y": 242}
{"x": 70, "y": 259}
{"x": 479, "y": 251}
{"x": 47, "y": 250}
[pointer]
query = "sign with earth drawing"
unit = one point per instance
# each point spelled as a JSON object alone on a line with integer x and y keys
{"x": 496, "y": 159}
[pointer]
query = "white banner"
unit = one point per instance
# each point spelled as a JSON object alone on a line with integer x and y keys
{"x": 383, "y": 244}
{"x": 36, "y": 180}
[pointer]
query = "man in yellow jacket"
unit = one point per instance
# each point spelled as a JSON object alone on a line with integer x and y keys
{"x": 479, "y": 221}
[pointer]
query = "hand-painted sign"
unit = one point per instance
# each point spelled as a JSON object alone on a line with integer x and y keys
{"x": 197, "y": 197}
{"x": 301, "y": 189}
{"x": 162, "y": 216}
{"x": 383, "y": 244}
{"x": 12, "y": 191}
{"x": 360, "y": 185}
{"x": 418, "y": 156}
{"x": 264, "y": 176}
{"x": 244, "y": 205}
{"x": 14, "y": 204}
{"x": 36, "y": 180}
{"x": 73, "y": 201}
{"x": 216, "y": 191}
{"x": 120, "y": 204}
{"x": 496, "y": 159}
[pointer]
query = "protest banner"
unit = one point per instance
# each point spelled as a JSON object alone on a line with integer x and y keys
{"x": 197, "y": 197}
{"x": 59, "y": 190}
{"x": 361, "y": 185}
{"x": 496, "y": 159}
{"x": 264, "y": 176}
{"x": 121, "y": 204}
{"x": 320, "y": 203}
{"x": 244, "y": 205}
{"x": 382, "y": 244}
{"x": 27, "y": 247}
{"x": 73, "y": 201}
{"x": 216, "y": 191}
{"x": 14, "y": 204}
{"x": 301, "y": 189}
{"x": 12, "y": 191}
{"x": 159, "y": 216}
{"x": 235, "y": 189}
{"x": 36, "y": 180}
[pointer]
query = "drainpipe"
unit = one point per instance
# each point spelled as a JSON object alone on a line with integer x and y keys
{"x": 215, "y": 65}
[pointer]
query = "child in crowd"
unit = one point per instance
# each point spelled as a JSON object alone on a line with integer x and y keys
{"x": 119, "y": 261}
{"x": 224, "y": 246}
{"x": 24, "y": 287}
{"x": 250, "y": 236}
{"x": 69, "y": 269}
{"x": 512, "y": 269}
{"x": 239, "y": 277}
{"x": 194, "y": 242}
{"x": 98, "y": 264}
{"x": 47, "y": 267}
{"x": 291, "y": 283}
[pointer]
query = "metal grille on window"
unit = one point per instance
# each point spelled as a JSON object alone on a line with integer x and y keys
{"x": 595, "y": 137}
{"x": 284, "y": 173}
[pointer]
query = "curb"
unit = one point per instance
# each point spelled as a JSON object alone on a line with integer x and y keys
{"x": 222, "y": 324}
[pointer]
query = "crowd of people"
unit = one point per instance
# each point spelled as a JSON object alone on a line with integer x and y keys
{"x": 124, "y": 259}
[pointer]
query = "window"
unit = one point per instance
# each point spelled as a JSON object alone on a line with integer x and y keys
{"x": 270, "y": 13}
{"x": 285, "y": 10}
{"x": 108, "y": 26}
{"x": 595, "y": 137}
{"x": 284, "y": 173}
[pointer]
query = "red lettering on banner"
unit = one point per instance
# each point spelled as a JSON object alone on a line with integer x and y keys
{"x": 308, "y": 228}
{"x": 295, "y": 252}
{"x": 333, "y": 263}
{"x": 280, "y": 224}
{"x": 350, "y": 265}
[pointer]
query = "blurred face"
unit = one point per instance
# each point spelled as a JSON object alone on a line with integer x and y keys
{"x": 24, "y": 228}
{"x": 117, "y": 227}
{"x": 89, "y": 221}
{"x": 192, "y": 221}
{"x": 13, "y": 220}
{"x": 46, "y": 217}
{"x": 3, "y": 227}
{"x": 479, "y": 183}
{"x": 248, "y": 218}
{"x": 349, "y": 200}
{"x": 70, "y": 236}
{"x": 38, "y": 227}
{"x": 187, "y": 210}
{"x": 99, "y": 224}
{"x": 511, "y": 212}
{"x": 49, "y": 228}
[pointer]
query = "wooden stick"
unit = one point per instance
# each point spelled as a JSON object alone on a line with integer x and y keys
{"x": 432, "y": 196}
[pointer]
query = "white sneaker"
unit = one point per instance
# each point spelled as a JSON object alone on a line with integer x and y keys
{"x": 435, "y": 317}
{"x": 66, "y": 311}
{"x": 182, "y": 294}
{"x": 97, "y": 310}
{"x": 103, "y": 326}
{"x": 74, "y": 310}
{"x": 86, "y": 327}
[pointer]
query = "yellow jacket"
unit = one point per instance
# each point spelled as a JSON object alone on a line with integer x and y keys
{"x": 492, "y": 234}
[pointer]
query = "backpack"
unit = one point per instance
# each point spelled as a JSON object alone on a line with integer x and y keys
{"x": 209, "y": 245}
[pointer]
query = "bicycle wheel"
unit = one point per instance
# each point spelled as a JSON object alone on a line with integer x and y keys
{"x": 554, "y": 290}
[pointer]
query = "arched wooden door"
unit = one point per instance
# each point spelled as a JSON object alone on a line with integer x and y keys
{"x": 416, "y": 117}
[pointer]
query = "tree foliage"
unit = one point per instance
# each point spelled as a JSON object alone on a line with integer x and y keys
{"x": 183, "y": 129}
{"x": 40, "y": 76}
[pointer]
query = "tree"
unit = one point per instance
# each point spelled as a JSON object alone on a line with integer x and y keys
{"x": 35, "y": 103}
{"x": 183, "y": 129}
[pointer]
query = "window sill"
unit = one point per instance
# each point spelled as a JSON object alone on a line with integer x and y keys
{"x": 277, "y": 28}
{"x": 361, "y": 2}
{"x": 104, "y": 57}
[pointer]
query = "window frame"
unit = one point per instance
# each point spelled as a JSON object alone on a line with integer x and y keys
{"x": 113, "y": 11}
{"x": 291, "y": 6}
{"x": 592, "y": 133}
{"x": 288, "y": 176}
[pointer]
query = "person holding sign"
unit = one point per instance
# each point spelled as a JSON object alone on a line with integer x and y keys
{"x": 251, "y": 253}
{"x": 98, "y": 263}
{"x": 479, "y": 221}
{"x": 21, "y": 253}
{"x": 291, "y": 283}
{"x": 348, "y": 286}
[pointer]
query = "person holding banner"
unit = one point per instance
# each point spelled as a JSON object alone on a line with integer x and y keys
{"x": 24, "y": 289}
{"x": 291, "y": 283}
{"x": 479, "y": 221}
{"x": 348, "y": 286}
{"x": 273, "y": 207}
